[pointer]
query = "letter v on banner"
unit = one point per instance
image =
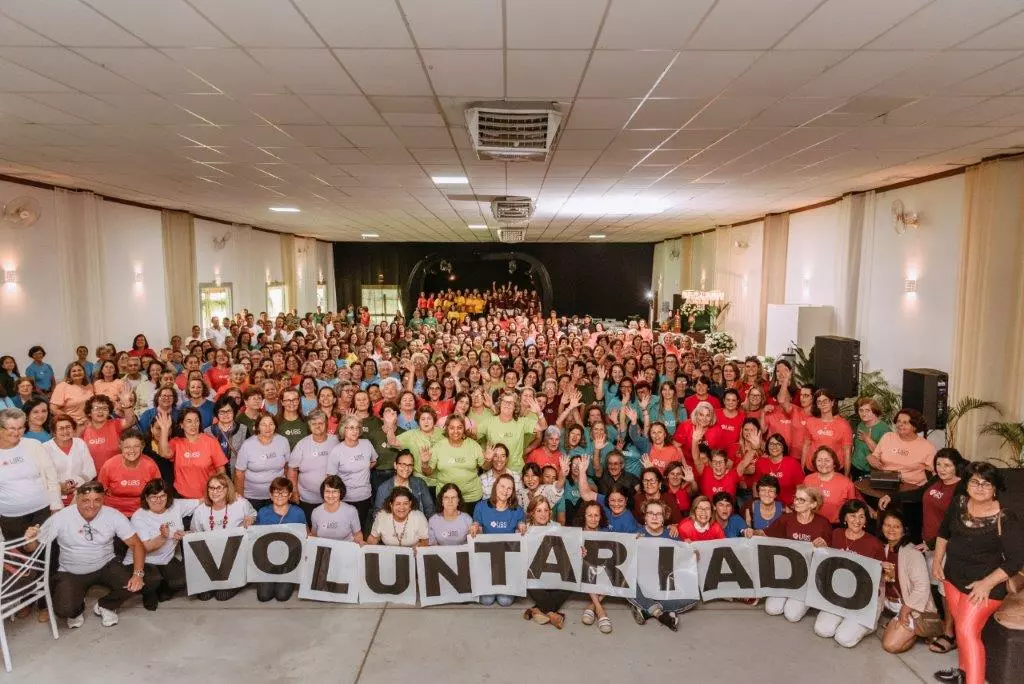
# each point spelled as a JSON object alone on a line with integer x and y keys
{"x": 215, "y": 560}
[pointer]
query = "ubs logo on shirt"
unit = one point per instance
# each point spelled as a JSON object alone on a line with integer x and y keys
{"x": 96, "y": 441}
{"x": 332, "y": 525}
{"x": 937, "y": 494}
{"x": 14, "y": 461}
{"x": 131, "y": 483}
{"x": 188, "y": 455}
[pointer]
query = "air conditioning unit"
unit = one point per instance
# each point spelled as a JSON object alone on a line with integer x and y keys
{"x": 512, "y": 131}
{"x": 512, "y": 235}
{"x": 512, "y": 209}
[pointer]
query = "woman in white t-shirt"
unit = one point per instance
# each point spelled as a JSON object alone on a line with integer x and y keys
{"x": 352, "y": 459}
{"x": 29, "y": 488}
{"x": 158, "y": 522}
{"x": 307, "y": 465}
{"x": 335, "y": 519}
{"x": 399, "y": 523}
{"x": 71, "y": 458}
{"x": 261, "y": 458}
{"x": 221, "y": 509}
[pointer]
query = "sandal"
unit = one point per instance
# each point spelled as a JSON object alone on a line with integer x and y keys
{"x": 942, "y": 644}
{"x": 556, "y": 619}
{"x": 536, "y": 616}
{"x": 605, "y": 625}
{"x": 589, "y": 616}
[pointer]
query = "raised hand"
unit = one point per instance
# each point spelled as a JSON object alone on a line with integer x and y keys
{"x": 425, "y": 455}
{"x": 688, "y": 474}
{"x": 565, "y": 462}
{"x": 646, "y": 461}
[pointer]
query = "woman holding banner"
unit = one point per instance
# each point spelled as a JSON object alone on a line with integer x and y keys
{"x": 665, "y": 612}
{"x": 278, "y": 512}
{"x": 221, "y": 508}
{"x": 700, "y": 524}
{"x": 651, "y": 481}
{"x": 591, "y": 517}
{"x": 399, "y": 523}
{"x": 547, "y": 602}
{"x": 907, "y": 588}
{"x": 979, "y": 546}
{"x": 158, "y": 522}
{"x": 499, "y": 514}
{"x": 450, "y": 526}
{"x": 335, "y": 519}
{"x": 802, "y": 524}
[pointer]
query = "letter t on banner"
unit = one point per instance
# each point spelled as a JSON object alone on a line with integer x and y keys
{"x": 498, "y": 564}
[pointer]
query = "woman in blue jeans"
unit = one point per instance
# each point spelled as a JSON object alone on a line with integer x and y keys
{"x": 499, "y": 514}
{"x": 666, "y": 612}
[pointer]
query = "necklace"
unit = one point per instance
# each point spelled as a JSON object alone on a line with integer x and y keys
{"x": 394, "y": 528}
{"x": 223, "y": 522}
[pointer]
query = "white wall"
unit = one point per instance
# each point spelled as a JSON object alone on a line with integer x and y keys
{"x": 810, "y": 266}
{"x": 666, "y": 276}
{"x": 899, "y": 330}
{"x": 264, "y": 264}
{"x": 702, "y": 262}
{"x": 244, "y": 261}
{"x": 132, "y": 243}
{"x": 738, "y": 256}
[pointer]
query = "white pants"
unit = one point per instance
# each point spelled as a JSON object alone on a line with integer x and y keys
{"x": 845, "y": 631}
{"x": 793, "y": 609}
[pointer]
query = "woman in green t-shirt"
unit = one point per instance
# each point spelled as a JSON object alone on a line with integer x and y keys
{"x": 419, "y": 439}
{"x": 456, "y": 460}
{"x": 869, "y": 430}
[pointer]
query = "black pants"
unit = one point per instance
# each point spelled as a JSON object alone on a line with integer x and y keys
{"x": 308, "y": 508}
{"x": 467, "y": 507}
{"x": 363, "y": 508}
{"x": 15, "y": 526}
{"x": 265, "y": 591}
{"x": 69, "y": 589}
{"x": 166, "y": 579}
{"x": 219, "y": 594}
{"x": 548, "y": 600}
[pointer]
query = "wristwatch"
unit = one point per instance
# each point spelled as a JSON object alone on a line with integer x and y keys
{"x": 139, "y": 573}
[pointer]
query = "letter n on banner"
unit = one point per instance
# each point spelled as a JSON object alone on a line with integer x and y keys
{"x": 609, "y": 565}
{"x": 443, "y": 574}
{"x": 555, "y": 561}
{"x": 726, "y": 568}
{"x": 215, "y": 560}
{"x": 331, "y": 571}
{"x": 845, "y": 584}
{"x": 782, "y": 567}
{"x": 388, "y": 575}
{"x": 276, "y": 553}
{"x": 498, "y": 564}
{"x": 666, "y": 569}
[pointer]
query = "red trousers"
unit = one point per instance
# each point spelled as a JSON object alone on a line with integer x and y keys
{"x": 969, "y": 621}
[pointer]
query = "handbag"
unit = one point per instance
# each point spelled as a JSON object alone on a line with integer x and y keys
{"x": 885, "y": 480}
{"x": 928, "y": 625}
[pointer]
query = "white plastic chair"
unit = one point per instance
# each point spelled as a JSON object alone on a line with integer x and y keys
{"x": 26, "y": 579}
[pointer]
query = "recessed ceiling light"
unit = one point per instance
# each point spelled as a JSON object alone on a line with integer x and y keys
{"x": 477, "y": 226}
{"x": 285, "y": 210}
{"x": 597, "y": 236}
{"x": 450, "y": 180}
{"x": 370, "y": 235}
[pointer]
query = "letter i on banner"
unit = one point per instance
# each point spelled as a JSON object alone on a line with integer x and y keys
{"x": 609, "y": 564}
{"x": 726, "y": 568}
{"x": 388, "y": 575}
{"x": 215, "y": 560}
{"x": 666, "y": 569}
{"x": 331, "y": 571}
{"x": 498, "y": 565}
{"x": 443, "y": 574}
{"x": 845, "y": 584}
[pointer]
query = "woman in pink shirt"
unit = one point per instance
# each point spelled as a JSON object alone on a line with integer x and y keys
{"x": 825, "y": 428}
{"x": 905, "y": 450}
{"x": 836, "y": 489}
{"x": 69, "y": 397}
{"x": 108, "y": 381}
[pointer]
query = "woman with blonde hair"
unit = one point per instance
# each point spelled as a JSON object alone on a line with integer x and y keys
{"x": 221, "y": 508}
{"x": 547, "y": 602}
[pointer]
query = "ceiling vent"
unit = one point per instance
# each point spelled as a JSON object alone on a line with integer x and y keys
{"x": 511, "y": 234}
{"x": 512, "y": 209}
{"x": 512, "y": 131}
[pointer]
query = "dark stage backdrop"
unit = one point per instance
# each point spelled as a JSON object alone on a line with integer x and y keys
{"x": 606, "y": 280}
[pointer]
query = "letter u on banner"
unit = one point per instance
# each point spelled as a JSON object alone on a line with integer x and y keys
{"x": 443, "y": 574}
{"x": 215, "y": 560}
{"x": 331, "y": 571}
{"x": 555, "y": 561}
{"x": 276, "y": 553}
{"x": 666, "y": 569}
{"x": 498, "y": 564}
{"x": 845, "y": 584}
{"x": 388, "y": 575}
{"x": 609, "y": 564}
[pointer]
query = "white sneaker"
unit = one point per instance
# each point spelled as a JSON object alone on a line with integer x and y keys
{"x": 76, "y": 622}
{"x": 109, "y": 617}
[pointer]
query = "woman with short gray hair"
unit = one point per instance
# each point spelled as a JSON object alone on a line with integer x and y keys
{"x": 352, "y": 460}
{"x": 29, "y": 487}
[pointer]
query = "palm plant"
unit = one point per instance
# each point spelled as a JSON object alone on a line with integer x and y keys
{"x": 962, "y": 408}
{"x": 873, "y": 385}
{"x": 1012, "y": 435}
{"x": 803, "y": 369}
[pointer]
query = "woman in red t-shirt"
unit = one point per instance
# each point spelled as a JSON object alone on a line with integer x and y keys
{"x": 755, "y": 402}
{"x": 218, "y": 374}
{"x": 699, "y": 525}
{"x": 681, "y": 484}
{"x": 836, "y": 489}
{"x": 660, "y": 453}
{"x": 825, "y": 428}
{"x": 749, "y": 449}
{"x": 140, "y": 348}
{"x": 102, "y": 430}
{"x": 702, "y": 389}
{"x": 777, "y": 463}
{"x": 196, "y": 455}
{"x": 728, "y": 421}
{"x": 692, "y": 431}
{"x": 716, "y": 476}
{"x": 125, "y": 476}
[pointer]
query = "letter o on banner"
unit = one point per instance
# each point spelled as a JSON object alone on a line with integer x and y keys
{"x": 261, "y": 553}
{"x": 863, "y": 590}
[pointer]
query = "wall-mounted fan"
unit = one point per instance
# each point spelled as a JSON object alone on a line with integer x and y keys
{"x": 21, "y": 212}
{"x": 901, "y": 218}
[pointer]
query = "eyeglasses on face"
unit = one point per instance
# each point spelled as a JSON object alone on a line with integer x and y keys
{"x": 980, "y": 484}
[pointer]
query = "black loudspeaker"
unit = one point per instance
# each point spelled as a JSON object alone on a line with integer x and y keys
{"x": 837, "y": 365}
{"x": 677, "y": 302}
{"x": 927, "y": 390}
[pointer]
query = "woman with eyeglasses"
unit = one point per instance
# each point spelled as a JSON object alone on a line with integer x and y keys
{"x": 71, "y": 458}
{"x": 836, "y": 489}
{"x": 335, "y": 519}
{"x": 399, "y": 522}
{"x": 651, "y": 482}
{"x": 102, "y": 432}
{"x": 29, "y": 488}
{"x": 278, "y": 512}
{"x": 125, "y": 476}
{"x": 869, "y": 431}
{"x": 906, "y": 450}
{"x": 666, "y": 612}
{"x": 803, "y": 523}
{"x": 221, "y": 508}
{"x": 777, "y": 463}
{"x": 980, "y": 544}
{"x": 196, "y": 456}
{"x": 352, "y": 459}
{"x": 765, "y": 508}
{"x": 158, "y": 521}
{"x": 261, "y": 459}
{"x": 229, "y": 433}
{"x": 307, "y": 464}
{"x": 449, "y": 526}
{"x": 826, "y": 428}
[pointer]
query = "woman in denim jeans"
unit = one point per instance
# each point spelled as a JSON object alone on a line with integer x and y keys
{"x": 666, "y": 612}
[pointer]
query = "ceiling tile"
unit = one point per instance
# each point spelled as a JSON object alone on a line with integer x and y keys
{"x": 13, "y": 34}
{"x": 167, "y": 23}
{"x": 148, "y": 68}
{"x": 783, "y": 71}
{"x": 306, "y": 70}
{"x": 666, "y": 113}
{"x": 21, "y": 107}
{"x": 944, "y": 23}
{"x": 703, "y": 74}
{"x": 343, "y": 109}
{"x": 462, "y": 73}
{"x": 17, "y": 79}
{"x": 1006, "y": 35}
{"x": 316, "y": 136}
{"x": 544, "y": 73}
{"x": 370, "y": 136}
{"x": 749, "y": 24}
{"x": 601, "y": 113}
{"x": 862, "y": 71}
{"x": 937, "y": 74}
{"x": 283, "y": 109}
{"x": 386, "y": 72}
{"x": 423, "y": 136}
{"x": 259, "y": 23}
{"x": 996, "y": 81}
{"x": 732, "y": 111}
{"x": 585, "y": 139}
{"x": 357, "y": 23}
{"x": 217, "y": 109}
{"x": 151, "y": 109}
{"x": 623, "y": 74}
{"x": 566, "y": 24}
{"x": 844, "y": 25}
{"x": 84, "y": 106}
{"x": 651, "y": 24}
{"x": 796, "y": 111}
{"x": 230, "y": 69}
{"x": 61, "y": 64}
{"x": 68, "y": 22}
{"x": 443, "y": 24}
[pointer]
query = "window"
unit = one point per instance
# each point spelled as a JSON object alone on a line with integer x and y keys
{"x": 276, "y": 299}
{"x": 321, "y": 296}
{"x": 214, "y": 300}
{"x": 383, "y": 301}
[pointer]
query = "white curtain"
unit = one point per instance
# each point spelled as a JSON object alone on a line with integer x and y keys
{"x": 80, "y": 254}
{"x": 180, "y": 274}
{"x": 773, "y": 269}
{"x": 854, "y": 210}
{"x": 288, "y": 272}
{"x": 305, "y": 274}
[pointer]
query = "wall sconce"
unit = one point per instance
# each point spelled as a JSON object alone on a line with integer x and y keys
{"x": 10, "y": 276}
{"x": 320, "y": 278}
{"x": 268, "y": 276}
{"x": 910, "y": 286}
{"x": 138, "y": 276}
{"x": 217, "y": 280}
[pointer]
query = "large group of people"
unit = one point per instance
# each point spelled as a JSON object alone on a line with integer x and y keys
{"x": 441, "y": 428}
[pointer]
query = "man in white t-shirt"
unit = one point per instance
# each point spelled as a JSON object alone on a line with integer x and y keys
{"x": 216, "y": 333}
{"x": 85, "y": 534}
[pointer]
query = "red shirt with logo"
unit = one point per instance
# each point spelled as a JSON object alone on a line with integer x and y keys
{"x": 194, "y": 463}
{"x": 124, "y": 485}
{"x": 835, "y": 434}
{"x": 711, "y": 485}
{"x": 726, "y": 431}
{"x": 787, "y": 471}
{"x": 934, "y": 504}
{"x": 104, "y": 443}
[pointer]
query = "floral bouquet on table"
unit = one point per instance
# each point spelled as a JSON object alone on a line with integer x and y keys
{"x": 719, "y": 342}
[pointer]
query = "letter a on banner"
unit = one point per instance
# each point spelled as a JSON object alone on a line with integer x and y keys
{"x": 845, "y": 584}
{"x": 609, "y": 564}
{"x": 276, "y": 553}
{"x": 388, "y": 575}
{"x": 555, "y": 561}
{"x": 726, "y": 568}
{"x": 498, "y": 564}
{"x": 666, "y": 569}
{"x": 443, "y": 574}
{"x": 215, "y": 560}
{"x": 331, "y": 571}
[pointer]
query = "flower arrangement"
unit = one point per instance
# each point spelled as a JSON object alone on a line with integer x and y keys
{"x": 719, "y": 342}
